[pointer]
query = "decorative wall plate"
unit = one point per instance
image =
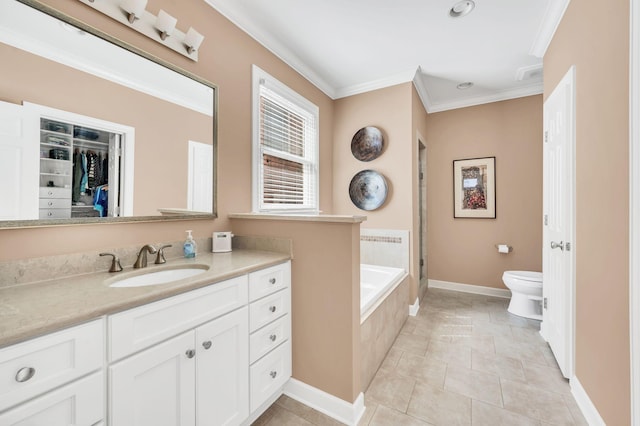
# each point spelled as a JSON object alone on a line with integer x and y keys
{"x": 367, "y": 143}
{"x": 368, "y": 190}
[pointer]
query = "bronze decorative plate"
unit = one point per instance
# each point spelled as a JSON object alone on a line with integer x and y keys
{"x": 367, "y": 143}
{"x": 368, "y": 190}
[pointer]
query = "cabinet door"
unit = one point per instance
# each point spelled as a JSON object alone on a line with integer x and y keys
{"x": 79, "y": 403}
{"x": 223, "y": 370}
{"x": 155, "y": 387}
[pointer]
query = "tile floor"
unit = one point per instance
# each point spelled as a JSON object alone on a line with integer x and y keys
{"x": 463, "y": 360}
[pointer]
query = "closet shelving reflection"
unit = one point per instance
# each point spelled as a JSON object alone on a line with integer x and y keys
{"x": 64, "y": 192}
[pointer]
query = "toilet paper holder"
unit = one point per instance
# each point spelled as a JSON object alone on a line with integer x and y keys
{"x": 504, "y": 248}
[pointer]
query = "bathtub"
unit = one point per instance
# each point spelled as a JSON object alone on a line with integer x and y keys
{"x": 376, "y": 283}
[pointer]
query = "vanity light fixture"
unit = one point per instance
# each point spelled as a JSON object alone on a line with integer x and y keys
{"x": 161, "y": 28}
{"x": 165, "y": 23}
{"x": 193, "y": 40}
{"x": 134, "y": 8}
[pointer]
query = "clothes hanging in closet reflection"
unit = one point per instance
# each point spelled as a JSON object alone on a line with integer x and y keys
{"x": 101, "y": 200}
{"x": 90, "y": 170}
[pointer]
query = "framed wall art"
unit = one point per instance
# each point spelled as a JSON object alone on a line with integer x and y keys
{"x": 474, "y": 188}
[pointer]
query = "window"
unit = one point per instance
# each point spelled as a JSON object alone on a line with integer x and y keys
{"x": 285, "y": 147}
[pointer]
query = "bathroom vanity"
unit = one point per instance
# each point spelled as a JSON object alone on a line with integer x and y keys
{"x": 216, "y": 351}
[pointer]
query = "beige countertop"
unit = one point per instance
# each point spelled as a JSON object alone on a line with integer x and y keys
{"x": 31, "y": 310}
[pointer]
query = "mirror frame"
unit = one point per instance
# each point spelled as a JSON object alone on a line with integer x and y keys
{"x": 126, "y": 219}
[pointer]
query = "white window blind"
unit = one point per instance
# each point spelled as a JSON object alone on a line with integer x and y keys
{"x": 287, "y": 160}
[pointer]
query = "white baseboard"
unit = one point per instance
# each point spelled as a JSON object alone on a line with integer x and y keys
{"x": 413, "y": 309}
{"x": 326, "y": 403}
{"x": 589, "y": 410}
{"x": 467, "y": 288}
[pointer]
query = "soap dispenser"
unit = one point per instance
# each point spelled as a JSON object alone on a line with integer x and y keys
{"x": 190, "y": 247}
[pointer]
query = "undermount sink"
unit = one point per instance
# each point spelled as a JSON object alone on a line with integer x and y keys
{"x": 163, "y": 276}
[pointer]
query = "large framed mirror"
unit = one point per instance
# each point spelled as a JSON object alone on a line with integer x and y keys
{"x": 93, "y": 130}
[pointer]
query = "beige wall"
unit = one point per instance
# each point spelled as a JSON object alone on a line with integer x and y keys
{"x": 594, "y": 36}
{"x": 226, "y": 57}
{"x": 389, "y": 109}
{"x": 462, "y": 250}
{"x": 325, "y": 300}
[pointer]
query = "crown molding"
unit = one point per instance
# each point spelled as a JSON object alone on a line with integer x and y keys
{"x": 392, "y": 80}
{"x": 520, "y": 92}
{"x": 548, "y": 26}
{"x": 274, "y": 46}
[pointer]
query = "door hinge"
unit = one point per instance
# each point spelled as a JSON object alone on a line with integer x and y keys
{"x": 421, "y": 262}
{"x": 567, "y": 246}
{"x": 546, "y": 136}
{"x": 546, "y": 219}
{"x": 421, "y": 176}
{"x": 544, "y": 303}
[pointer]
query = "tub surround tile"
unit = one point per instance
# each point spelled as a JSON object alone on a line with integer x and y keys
{"x": 379, "y": 330}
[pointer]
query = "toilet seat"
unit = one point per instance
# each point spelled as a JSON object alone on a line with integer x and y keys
{"x": 534, "y": 277}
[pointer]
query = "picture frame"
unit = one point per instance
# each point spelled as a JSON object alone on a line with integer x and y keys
{"x": 474, "y": 188}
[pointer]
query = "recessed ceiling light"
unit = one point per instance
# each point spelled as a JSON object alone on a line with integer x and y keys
{"x": 462, "y": 8}
{"x": 465, "y": 85}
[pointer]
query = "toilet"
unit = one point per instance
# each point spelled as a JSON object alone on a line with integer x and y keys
{"x": 526, "y": 293}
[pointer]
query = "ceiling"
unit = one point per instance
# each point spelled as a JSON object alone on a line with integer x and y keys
{"x": 346, "y": 47}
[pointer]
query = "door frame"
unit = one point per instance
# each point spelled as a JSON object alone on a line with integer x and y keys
{"x": 568, "y": 78}
{"x": 634, "y": 206}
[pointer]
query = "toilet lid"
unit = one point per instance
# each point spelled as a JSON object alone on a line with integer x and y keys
{"x": 526, "y": 275}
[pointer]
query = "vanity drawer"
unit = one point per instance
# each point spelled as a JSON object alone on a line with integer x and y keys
{"x": 78, "y": 403}
{"x": 269, "y": 337}
{"x": 55, "y": 203}
{"x": 56, "y": 213}
{"x": 141, "y": 327}
{"x": 265, "y": 310}
{"x": 269, "y": 280}
{"x": 51, "y": 192}
{"x": 269, "y": 374}
{"x": 36, "y": 366}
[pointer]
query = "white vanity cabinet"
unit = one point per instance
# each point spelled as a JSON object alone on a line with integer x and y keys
{"x": 270, "y": 338}
{"x": 197, "y": 377}
{"x": 55, "y": 379}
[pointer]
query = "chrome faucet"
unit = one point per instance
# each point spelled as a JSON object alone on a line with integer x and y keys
{"x": 141, "y": 262}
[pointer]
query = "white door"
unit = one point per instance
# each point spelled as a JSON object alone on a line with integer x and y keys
{"x": 80, "y": 403}
{"x": 223, "y": 370}
{"x": 558, "y": 209}
{"x": 200, "y": 180}
{"x": 19, "y": 163}
{"x": 155, "y": 387}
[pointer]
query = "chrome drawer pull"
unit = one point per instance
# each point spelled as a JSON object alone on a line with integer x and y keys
{"x": 24, "y": 374}
{"x": 272, "y": 308}
{"x": 273, "y": 337}
{"x": 272, "y": 280}
{"x": 206, "y": 344}
{"x": 273, "y": 374}
{"x": 190, "y": 353}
